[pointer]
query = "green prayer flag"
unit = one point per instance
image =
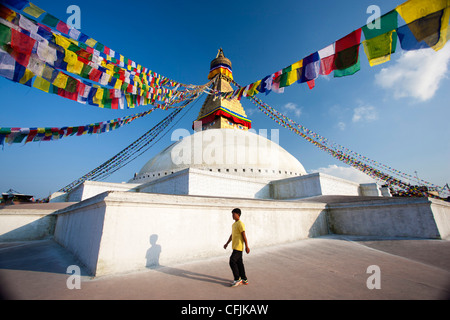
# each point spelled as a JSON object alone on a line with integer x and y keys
{"x": 385, "y": 23}
{"x": 348, "y": 71}
{"x": 50, "y": 20}
{"x": 5, "y": 34}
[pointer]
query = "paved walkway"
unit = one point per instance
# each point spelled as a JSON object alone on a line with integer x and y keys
{"x": 330, "y": 267}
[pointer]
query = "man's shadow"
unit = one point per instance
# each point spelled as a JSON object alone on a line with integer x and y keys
{"x": 153, "y": 254}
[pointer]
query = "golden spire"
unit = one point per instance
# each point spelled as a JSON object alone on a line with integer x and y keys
{"x": 218, "y": 112}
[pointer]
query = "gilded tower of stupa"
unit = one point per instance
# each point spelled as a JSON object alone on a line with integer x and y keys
{"x": 218, "y": 112}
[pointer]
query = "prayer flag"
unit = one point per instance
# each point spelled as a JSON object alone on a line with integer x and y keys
{"x": 385, "y": 23}
{"x": 22, "y": 46}
{"x": 381, "y": 41}
{"x": 50, "y": 20}
{"x": 49, "y": 73}
{"x": 7, "y": 65}
{"x": 416, "y": 9}
{"x": 350, "y": 40}
{"x": 347, "y": 58}
{"x": 424, "y": 32}
{"x": 33, "y": 10}
{"x": 61, "y": 80}
{"x": 348, "y": 71}
{"x": 347, "y": 53}
{"x": 46, "y": 53}
{"x": 63, "y": 27}
{"x": 7, "y": 13}
{"x": 5, "y": 35}
{"x": 36, "y": 65}
{"x": 71, "y": 85}
{"x": 327, "y": 58}
{"x": 290, "y": 77}
{"x": 73, "y": 65}
{"x": 378, "y": 49}
{"x": 41, "y": 84}
{"x": 311, "y": 67}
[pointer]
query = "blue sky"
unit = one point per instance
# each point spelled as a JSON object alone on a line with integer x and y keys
{"x": 396, "y": 113}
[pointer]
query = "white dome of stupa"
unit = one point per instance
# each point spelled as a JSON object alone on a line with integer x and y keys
{"x": 227, "y": 151}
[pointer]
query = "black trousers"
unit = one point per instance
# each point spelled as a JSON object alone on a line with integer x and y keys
{"x": 237, "y": 265}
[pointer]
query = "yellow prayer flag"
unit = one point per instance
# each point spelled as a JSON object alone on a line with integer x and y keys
{"x": 378, "y": 49}
{"x": 61, "y": 80}
{"x": 297, "y": 65}
{"x": 118, "y": 84}
{"x": 289, "y": 78}
{"x": 415, "y": 9}
{"x": 254, "y": 89}
{"x": 33, "y": 10}
{"x": 62, "y": 41}
{"x": 98, "y": 98}
{"x": 73, "y": 64}
{"x": 91, "y": 42}
{"x": 26, "y": 76}
{"x": 41, "y": 84}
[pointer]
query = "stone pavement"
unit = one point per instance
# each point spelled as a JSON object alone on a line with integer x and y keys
{"x": 331, "y": 267}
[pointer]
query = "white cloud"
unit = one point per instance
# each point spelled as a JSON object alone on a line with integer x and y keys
{"x": 292, "y": 108}
{"x": 416, "y": 73}
{"x": 364, "y": 113}
{"x": 347, "y": 173}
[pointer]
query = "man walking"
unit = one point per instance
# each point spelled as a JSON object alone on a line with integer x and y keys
{"x": 238, "y": 239}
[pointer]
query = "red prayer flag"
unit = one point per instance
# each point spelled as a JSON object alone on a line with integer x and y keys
{"x": 350, "y": 40}
{"x": 22, "y": 46}
{"x": 63, "y": 27}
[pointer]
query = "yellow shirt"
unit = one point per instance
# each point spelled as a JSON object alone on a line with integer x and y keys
{"x": 237, "y": 240}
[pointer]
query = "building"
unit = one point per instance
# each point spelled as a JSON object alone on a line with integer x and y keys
{"x": 13, "y": 197}
{"x": 225, "y": 157}
{"x": 179, "y": 204}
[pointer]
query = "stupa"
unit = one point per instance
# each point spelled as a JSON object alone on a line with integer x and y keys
{"x": 226, "y": 157}
{"x": 194, "y": 184}
{"x": 222, "y": 142}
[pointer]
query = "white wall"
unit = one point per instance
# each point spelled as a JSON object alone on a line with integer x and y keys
{"x": 185, "y": 227}
{"x": 22, "y": 225}
{"x": 314, "y": 184}
{"x": 392, "y": 217}
{"x": 205, "y": 183}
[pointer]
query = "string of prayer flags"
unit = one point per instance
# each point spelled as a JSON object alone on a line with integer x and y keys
{"x": 89, "y": 59}
{"x": 380, "y": 38}
{"x": 374, "y": 169}
{"x": 47, "y": 59}
{"x": 427, "y": 20}
{"x": 18, "y": 135}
